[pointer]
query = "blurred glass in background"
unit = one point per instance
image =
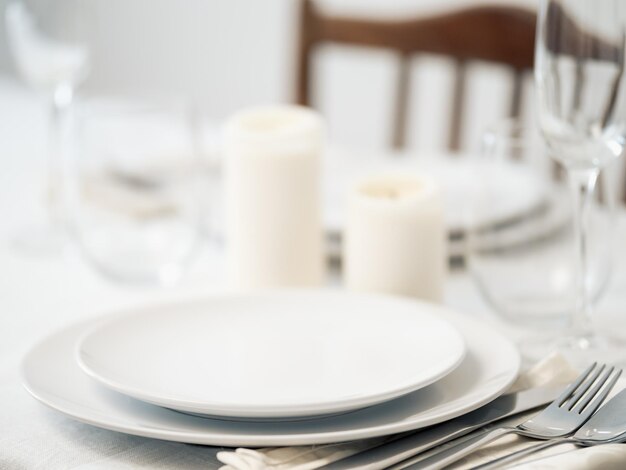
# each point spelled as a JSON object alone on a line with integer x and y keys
{"x": 135, "y": 193}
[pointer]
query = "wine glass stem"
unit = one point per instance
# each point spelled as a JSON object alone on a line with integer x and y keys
{"x": 58, "y": 106}
{"x": 582, "y": 182}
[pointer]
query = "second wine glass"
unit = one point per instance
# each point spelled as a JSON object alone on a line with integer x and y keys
{"x": 135, "y": 191}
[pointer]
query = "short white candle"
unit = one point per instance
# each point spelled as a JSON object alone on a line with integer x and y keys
{"x": 273, "y": 207}
{"x": 395, "y": 237}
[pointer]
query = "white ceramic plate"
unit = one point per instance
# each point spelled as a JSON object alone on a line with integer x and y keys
{"x": 521, "y": 191}
{"x": 51, "y": 374}
{"x": 273, "y": 355}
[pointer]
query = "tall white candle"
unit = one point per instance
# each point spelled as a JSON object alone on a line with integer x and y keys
{"x": 395, "y": 238}
{"x": 273, "y": 208}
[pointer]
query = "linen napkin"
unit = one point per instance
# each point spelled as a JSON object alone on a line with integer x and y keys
{"x": 552, "y": 370}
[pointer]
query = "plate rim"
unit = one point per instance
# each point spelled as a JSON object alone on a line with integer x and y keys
{"x": 275, "y": 411}
{"x": 192, "y": 436}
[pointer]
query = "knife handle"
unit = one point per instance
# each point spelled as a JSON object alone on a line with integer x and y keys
{"x": 457, "y": 452}
{"x": 496, "y": 463}
{"x": 399, "y": 450}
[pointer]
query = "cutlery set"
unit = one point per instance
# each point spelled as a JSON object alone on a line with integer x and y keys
{"x": 407, "y": 446}
{"x": 569, "y": 418}
{"x": 604, "y": 427}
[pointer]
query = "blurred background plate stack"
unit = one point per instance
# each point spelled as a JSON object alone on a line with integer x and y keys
{"x": 522, "y": 194}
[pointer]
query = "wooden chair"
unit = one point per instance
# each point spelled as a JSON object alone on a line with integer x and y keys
{"x": 493, "y": 34}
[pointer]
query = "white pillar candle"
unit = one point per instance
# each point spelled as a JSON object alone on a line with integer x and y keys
{"x": 273, "y": 209}
{"x": 395, "y": 237}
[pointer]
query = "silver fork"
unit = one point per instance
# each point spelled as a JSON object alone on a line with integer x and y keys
{"x": 562, "y": 417}
{"x": 606, "y": 426}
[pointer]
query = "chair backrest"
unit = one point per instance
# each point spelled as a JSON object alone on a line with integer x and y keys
{"x": 502, "y": 35}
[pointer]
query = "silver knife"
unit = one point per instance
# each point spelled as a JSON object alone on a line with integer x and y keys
{"x": 398, "y": 450}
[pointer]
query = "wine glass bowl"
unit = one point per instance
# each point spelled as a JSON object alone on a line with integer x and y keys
{"x": 47, "y": 58}
{"x": 579, "y": 73}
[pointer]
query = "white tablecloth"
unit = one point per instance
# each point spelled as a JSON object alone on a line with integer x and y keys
{"x": 40, "y": 295}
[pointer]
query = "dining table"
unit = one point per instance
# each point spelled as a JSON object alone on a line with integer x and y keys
{"x": 43, "y": 293}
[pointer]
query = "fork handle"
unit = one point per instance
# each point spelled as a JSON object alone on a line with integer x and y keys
{"x": 454, "y": 453}
{"x": 496, "y": 463}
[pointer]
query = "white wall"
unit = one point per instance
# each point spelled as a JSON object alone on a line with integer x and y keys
{"x": 226, "y": 54}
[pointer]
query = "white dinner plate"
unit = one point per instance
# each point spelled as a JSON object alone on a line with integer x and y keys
{"x": 273, "y": 355}
{"x": 51, "y": 374}
{"x": 459, "y": 175}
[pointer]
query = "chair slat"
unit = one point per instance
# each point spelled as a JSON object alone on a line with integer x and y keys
{"x": 458, "y": 103}
{"x": 402, "y": 102}
{"x": 516, "y": 94}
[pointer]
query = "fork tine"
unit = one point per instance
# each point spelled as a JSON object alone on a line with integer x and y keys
{"x": 579, "y": 404}
{"x": 584, "y": 387}
{"x": 594, "y": 399}
{"x": 573, "y": 386}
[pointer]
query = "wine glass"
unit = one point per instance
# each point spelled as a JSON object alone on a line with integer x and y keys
{"x": 579, "y": 72}
{"x": 134, "y": 190}
{"x": 48, "y": 40}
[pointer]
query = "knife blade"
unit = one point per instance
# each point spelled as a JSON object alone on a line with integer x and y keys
{"x": 398, "y": 450}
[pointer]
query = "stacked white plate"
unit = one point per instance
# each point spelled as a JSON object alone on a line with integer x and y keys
{"x": 522, "y": 193}
{"x": 523, "y": 197}
{"x": 282, "y": 368}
